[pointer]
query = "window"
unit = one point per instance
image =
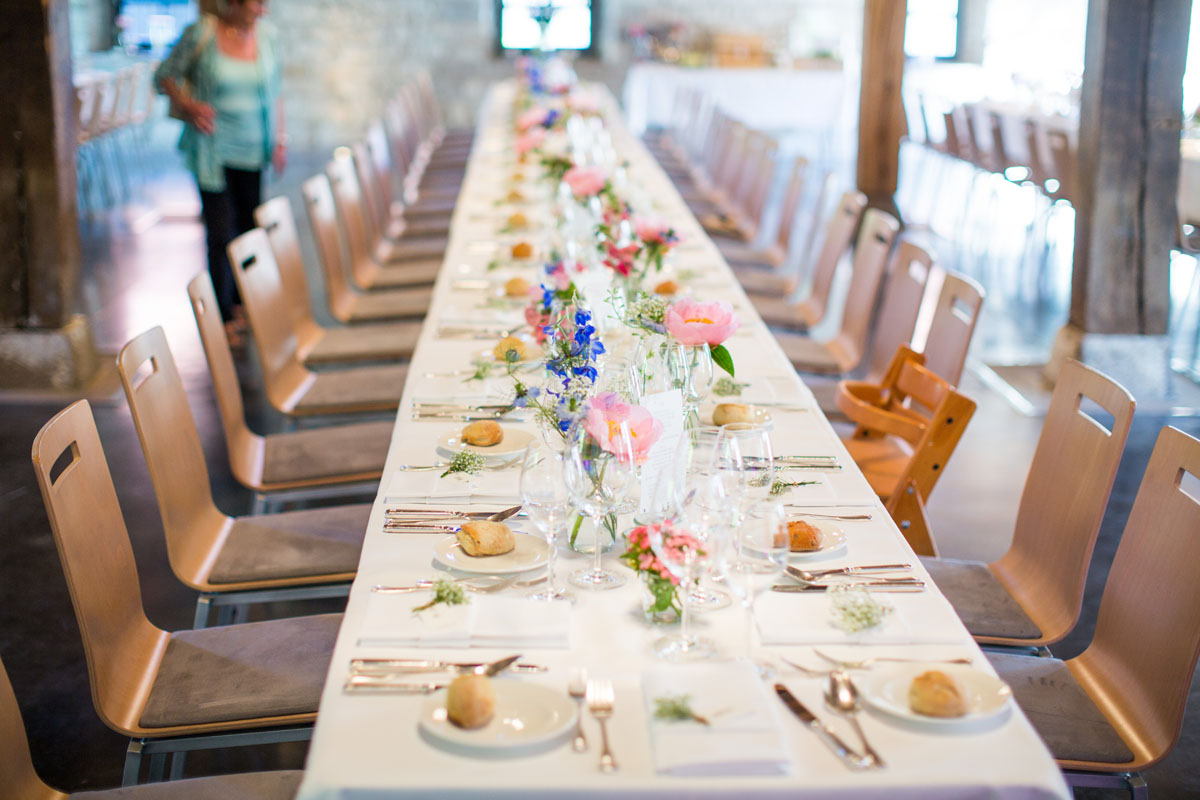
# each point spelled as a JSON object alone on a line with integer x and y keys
{"x": 931, "y": 29}
{"x": 572, "y": 26}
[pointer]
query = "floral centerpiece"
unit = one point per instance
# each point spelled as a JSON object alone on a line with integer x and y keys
{"x": 661, "y": 601}
{"x": 571, "y": 349}
{"x": 657, "y": 238}
{"x": 536, "y": 117}
{"x": 531, "y": 140}
{"x": 692, "y": 322}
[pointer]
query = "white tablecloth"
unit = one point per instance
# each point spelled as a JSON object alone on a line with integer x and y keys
{"x": 369, "y": 746}
{"x": 766, "y": 99}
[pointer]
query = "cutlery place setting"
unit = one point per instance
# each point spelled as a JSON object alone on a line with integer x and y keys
{"x": 464, "y": 412}
{"x": 431, "y": 520}
{"x": 395, "y": 675}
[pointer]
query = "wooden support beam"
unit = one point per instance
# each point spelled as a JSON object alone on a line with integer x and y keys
{"x": 880, "y": 112}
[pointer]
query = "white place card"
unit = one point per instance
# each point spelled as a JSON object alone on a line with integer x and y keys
{"x": 661, "y": 462}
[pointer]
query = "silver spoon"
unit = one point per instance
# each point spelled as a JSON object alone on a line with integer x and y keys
{"x": 842, "y": 696}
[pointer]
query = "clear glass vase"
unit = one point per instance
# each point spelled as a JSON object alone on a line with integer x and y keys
{"x": 660, "y": 600}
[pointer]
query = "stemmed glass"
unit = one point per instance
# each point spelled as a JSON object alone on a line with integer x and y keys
{"x": 682, "y": 549}
{"x": 743, "y": 459}
{"x": 752, "y": 557}
{"x": 547, "y": 501}
{"x": 598, "y": 481}
{"x": 692, "y": 372}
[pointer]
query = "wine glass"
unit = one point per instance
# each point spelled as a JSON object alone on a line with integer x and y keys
{"x": 682, "y": 549}
{"x": 753, "y": 556}
{"x": 598, "y": 480}
{"x": 707, "y": 508}
{"x": 743, "y": 458}
{"x": 545, "y": 498}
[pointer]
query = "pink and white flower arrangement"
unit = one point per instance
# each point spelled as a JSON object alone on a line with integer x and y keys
{"x": 584, "y": 103}
{"x": 657, "y": 237}
{"x": 586, "y": 182}
{"x": 639, "y": 556}
{"x": 532, "y": 117}
{"x": 530, "y": 140}
{"x": 609, "y": 419}
{"x": 692, "y": 322}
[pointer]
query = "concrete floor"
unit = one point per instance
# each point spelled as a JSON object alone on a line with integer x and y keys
{"x": 135, "y": 279}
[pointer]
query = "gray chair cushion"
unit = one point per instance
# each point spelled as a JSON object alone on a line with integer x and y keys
{"x": 278, "y": 785}
{"x": 391, "y": 304}
{"x": 294, "y": 544}
{"x": 354, "y": 389}
{"x": 778, "y": 312}
{"x": 410, "y": 273}
{"x": 394, "y": 252}
{"x": 808, "y": 355}
{"x": 1063, "y": 714}
{"x": 260, "y": 669}
{"x": 351, "y": 449}
{"x": 761, "y": 280}
{"x": 981, "y": 601}
{"x": 366, "y": 343}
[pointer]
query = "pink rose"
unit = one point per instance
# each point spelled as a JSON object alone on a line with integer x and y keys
{"x": 693, "y": 322}
{"x": 530, "y": 140}
{"x": 606, "y": 413}
{"x": 531, "y": 117}
{"x": 585, "y": 181}
{"x": 653, "y": 231}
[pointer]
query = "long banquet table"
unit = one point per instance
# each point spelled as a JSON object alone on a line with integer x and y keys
{"x": 369, "y": 746}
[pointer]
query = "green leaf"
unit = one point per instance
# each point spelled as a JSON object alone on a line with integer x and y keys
{"x": 722, "y": 359}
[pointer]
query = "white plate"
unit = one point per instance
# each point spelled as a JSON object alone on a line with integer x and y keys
{"x": 534, "y": 349}
{"x": 514, "y": 443}
{"x": 833, "y": 540}
{"x": 758, "y": 416}
{"x": 886, "y": 688}
{"x": 529, "y": 718}
{"x": 529, "y": 553}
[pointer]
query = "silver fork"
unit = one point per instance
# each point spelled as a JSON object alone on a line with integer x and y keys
{"x": 600, "y": 698}
{"x": 869, "y": 662}
{"x": 812, "y": 576}
{"x": 577, "y": 689}
{"x": 422, "y": 585}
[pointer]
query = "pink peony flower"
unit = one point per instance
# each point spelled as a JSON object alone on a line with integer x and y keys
{"x": 606, "y": 413}
{"x": 586, "y": 181}
{"x": 583, "y": 102}
{"x": 532, "y": 117}
{"x": 531, "y": 140}
{"x": 693, "y": 322}
{"x": 653, "y": 231}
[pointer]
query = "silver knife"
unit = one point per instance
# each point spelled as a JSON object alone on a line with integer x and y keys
{"x": 851, "y": 757}
{"x": 388, "y": 684}
{"x": 901, "y": 585}
{"x": 395, "y": 666}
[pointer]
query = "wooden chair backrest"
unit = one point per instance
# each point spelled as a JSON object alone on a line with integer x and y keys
{"x": 370, "y": 198}
{"x": 731, "y": 160}
{"x": 352, "y": 217}
{"x": 1147, "y": 640}
{"x": 1039, "y": 167}
{"x": 322, "y": 219}
{"x": 907, "y": 274}
{"x": 381, "y": 164}
{"x": 284, "y": 374}
{"x": 760, "y": 172}
{"x": 396, "y": 124}
{"x": 276, "y": 218}
{"x": 245, "y": 447}
{"x": 1066, "y": 492}
{"x": 715, "y": 143}
{"x": 870, "y": 259}
{"x": 958, "y": 141}
{"x": 839, "y": 233}
{"x": 953, "y": 325}
{"x": 789, "y": 210}
{"x": 174, "y": 454}
{"x": 1063, "y": 156}
{"x": 16, "y": 763}
{"x": 121, "y": 645}
{"x": 914, "y": 404}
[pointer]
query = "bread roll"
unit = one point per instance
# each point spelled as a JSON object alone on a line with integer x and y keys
{"x": 516, "y": 287}
{"x": 803, "y": 537}
{"x": 667, "y": 287}
{"x": 470, "y": 701}
{"x": 515, "y": 197}
{"x": 522, "y": 250}
{"x": 517, "y": 220}
{"x": 936, "y": 694}
{"x": 484, "y": 433}
{"x": 485, "y": 538}
{"x": 727, "y": 413}
{"x": 500, "y": 351}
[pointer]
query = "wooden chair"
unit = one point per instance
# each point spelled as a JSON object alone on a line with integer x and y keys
{"x": 347, "y": 303}
{"x": 779, "y": 310}
{"x": 315, "y": 343}
{"x": 231, "y": 561}
{"x": 740, "y": 221}
{"x": 845, "y": 351}
{"x": 417, "y": 200}
{"x": 751, "y": 262}
{"x": 169, "y": 692}
{"x": 1032, "y": 596}
{"x": 349, "y": 458}
{"x": 1118, "y": 707}
{"x": 385, "y": 180}
{"x": 953, "y": 325}
{"x": 291, "y": 387}
{"x": 383, "y": 222}
{"x": 365, "y": 246}
{"x": 18, "y": 774}
{"x": 907, "y": 428}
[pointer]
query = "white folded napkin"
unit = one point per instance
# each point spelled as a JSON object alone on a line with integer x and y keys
{"x": 744, "y": 736}
{"x": 503, "y": 486}
{"x": 483, "y": 622}
{"x": 798, "y": 619}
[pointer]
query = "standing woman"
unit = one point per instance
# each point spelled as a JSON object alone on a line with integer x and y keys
{"x": 223, "y": 79}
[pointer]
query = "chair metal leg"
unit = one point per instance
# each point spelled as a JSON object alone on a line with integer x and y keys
{"x": 260, "y": 504}
{"x": 178, "y": 760}
{"x": 203, "y": 608}
{"x": 158, "y": 765}
{"x": 234, "y": 607}
{"x": 225, "y": 615}
{"x": 1132, "y": 781}
{"x": 133, "y": 762}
